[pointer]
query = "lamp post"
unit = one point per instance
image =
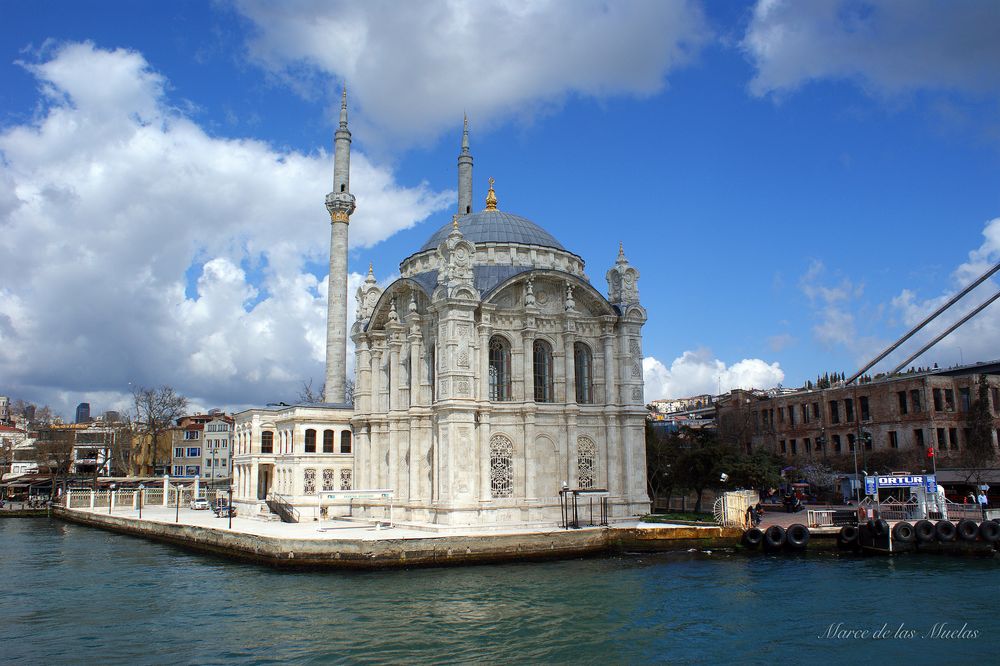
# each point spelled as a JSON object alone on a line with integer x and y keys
{"x": 142, "y": 490}
{"x": 177, "y": 513}
{"x": 111, "y": 497}
{"x": 229, "y": 510}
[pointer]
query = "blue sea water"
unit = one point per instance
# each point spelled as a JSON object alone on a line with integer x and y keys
{"x": 72, "y": 594}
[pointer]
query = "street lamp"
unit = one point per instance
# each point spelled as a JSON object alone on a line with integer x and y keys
{"x": 142, "y": 490}
{"x": 229, "y": 510}
{"x": 177, "y": 513}
{"x": 111, "y": 497}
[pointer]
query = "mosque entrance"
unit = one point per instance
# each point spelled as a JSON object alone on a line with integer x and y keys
{"x": 264, "y": 474}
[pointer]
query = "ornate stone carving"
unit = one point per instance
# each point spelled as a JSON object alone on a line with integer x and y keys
{"x": 636, "y": 370}
{"x": 462, "y": 387}
{"x": 586, "y": 462}
{"x": 345, "y": 479}
{"x": 637, "y": 394}
{"x": 463, "y": 358}
{"x": 367, "y": 295}
{"x": 622, "y": 281}
{"x": 328, "y": 479}
{"x": 501, "y": 466}
{"x": 309, "y": 482}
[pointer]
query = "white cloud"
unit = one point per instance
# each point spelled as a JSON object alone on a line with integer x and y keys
{"x": 414, "y": 67}
{"x": 889, "y": 47}
{"x": 696, "y": 372}
{"x": 109, "y": 196}
{"x": 976, "y": 340}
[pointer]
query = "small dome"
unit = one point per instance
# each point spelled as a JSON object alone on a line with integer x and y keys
{"x": 495, "y": 226}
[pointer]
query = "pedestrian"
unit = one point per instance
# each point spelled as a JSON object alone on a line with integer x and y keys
{"x": 983, "y": 501}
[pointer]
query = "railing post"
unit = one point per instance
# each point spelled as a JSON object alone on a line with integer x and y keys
{"x": 166, "y": 490}
{"x": 111, "y": 501}
{"x": 91, "y": 499}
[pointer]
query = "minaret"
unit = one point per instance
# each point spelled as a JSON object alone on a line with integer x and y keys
{"x": 340, "y": 204}
{"x": 465, "y": 173}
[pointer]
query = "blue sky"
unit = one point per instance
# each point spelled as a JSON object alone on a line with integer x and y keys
{"x": 796, "y": 182}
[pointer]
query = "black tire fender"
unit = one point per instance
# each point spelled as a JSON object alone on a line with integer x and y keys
{"x": 903, "y": 532}
{"x": 967, "y": 530}
{"x": 797, "y": 536}
{"x": 774, "y": 537}
{"x": 881, "y": 528}
{"x": 753, "y": 537}
{"x": 848, "y": 535}
{"x": 945, "y": 530}
{"x": 925, "y": 531}
{"x": 989, "y": 532}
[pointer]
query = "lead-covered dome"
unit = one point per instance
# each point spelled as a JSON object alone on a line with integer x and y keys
{"x": 495, "y": 226}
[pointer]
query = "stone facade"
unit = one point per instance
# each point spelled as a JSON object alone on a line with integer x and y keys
{"x": 492, "y": 373}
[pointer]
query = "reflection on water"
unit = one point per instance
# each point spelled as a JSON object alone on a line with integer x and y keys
{"x": 73, "y": 593}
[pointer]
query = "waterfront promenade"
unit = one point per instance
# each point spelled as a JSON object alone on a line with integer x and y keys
{"x": 348, "y": 544}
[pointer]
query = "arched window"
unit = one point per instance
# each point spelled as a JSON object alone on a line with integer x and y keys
{"x": 583, "y": 362}
{"x": 310, "y": 441}
{"x": 499, "y": 369}
{"x": 327, "y": 441}
{"x": 267, "y": 442}
{"x": 501, "y": 466}
{"x": 586, "y": 462}
{"x": 542, "y": 354}
{"x": 345, "y": 441}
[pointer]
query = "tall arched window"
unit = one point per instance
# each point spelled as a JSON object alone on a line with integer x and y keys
{"x": 267, "y": 442}
{"x": 327, "y": 441}
{"x": 501, "y": 466}
{"x": 310, "y": 441}
{"x": 542, "y": 354}
{"x": 345, "y": 441}
{"x": 499, "y": 369}
{"x": 583, "y": 362}
{"x": 586, "y": 462}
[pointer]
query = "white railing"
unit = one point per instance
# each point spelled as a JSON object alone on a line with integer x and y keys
{"x": 820, "y": 517}
{"x": 731, "y": 509}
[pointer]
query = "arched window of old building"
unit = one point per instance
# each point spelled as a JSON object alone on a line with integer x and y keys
{"x": 327, "y": 441}
{"x": 583, "y": 362}
{"x": 499, "y": 369}
{"x": 542, "y": 355}
{"x": 267, "y": 442}
{"x": 345, "y": 441}
{"x": 310, "y": 441}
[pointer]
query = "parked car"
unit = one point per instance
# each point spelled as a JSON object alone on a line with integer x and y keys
{"x": 199, "y": 504}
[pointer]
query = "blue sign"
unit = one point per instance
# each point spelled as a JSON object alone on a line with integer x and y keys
{"x": 927, "y": 481}
{"x": 870, "y": 487}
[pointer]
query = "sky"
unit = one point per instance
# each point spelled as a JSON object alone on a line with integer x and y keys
{"x": 798, "y": 183}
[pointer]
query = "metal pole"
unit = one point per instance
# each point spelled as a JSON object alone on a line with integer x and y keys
{"x": 177, "y": 514}
{"x": 230, "y": 510}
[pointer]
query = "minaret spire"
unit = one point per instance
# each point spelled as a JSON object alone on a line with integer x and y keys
{"x": 465, "y": 173}
{"x": 340, "y": 205}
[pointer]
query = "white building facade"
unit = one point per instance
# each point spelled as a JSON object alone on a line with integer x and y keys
{"x": 490, "y": 376}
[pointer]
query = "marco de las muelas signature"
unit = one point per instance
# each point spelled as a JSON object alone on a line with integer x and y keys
{"x": 939, "y": 631}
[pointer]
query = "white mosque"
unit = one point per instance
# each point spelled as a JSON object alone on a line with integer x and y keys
{"x": 489, "y": 377}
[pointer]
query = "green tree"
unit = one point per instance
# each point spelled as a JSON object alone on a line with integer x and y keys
{"x": 661, "y": 456}
{"x": 701, "y": 462}
{"x": 978, "y": 453}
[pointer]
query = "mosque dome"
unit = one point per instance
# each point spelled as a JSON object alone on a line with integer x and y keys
{"x": 496, "y": 226}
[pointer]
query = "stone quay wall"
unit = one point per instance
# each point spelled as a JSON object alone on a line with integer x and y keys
{"x": 391, "y": 552}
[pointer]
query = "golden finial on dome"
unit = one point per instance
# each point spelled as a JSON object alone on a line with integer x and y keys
{"x": 491, "y": 197}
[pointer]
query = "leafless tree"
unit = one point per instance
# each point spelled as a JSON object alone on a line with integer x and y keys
{"x": 308, "y": 395}
{"x": 155, "y": 410}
